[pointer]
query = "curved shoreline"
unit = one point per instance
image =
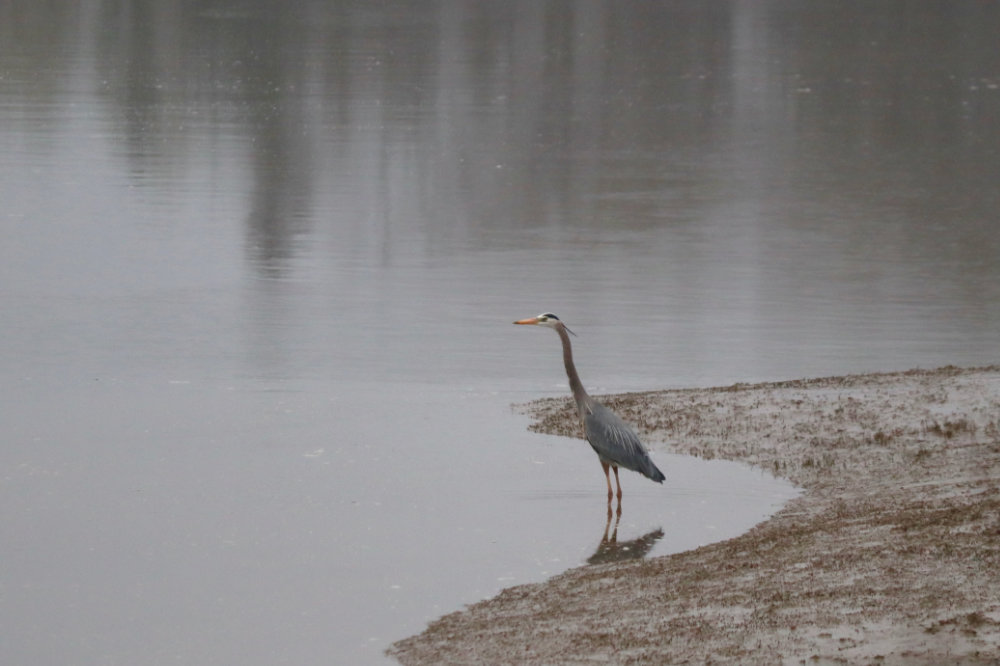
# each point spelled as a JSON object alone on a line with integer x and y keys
{"x": 890, "y": 555}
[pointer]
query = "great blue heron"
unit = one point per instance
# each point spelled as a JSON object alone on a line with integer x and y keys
{"x": 615, "y": 443}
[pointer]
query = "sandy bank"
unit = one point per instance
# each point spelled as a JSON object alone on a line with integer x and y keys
{"x": 891, "y": 555}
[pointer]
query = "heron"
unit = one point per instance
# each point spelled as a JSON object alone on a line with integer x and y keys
{"x": 615, "y": 443}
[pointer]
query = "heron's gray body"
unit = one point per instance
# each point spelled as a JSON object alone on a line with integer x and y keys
{"x": 614, "y": 442}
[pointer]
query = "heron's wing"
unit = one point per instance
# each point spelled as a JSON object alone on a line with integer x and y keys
{"x": 616, "y": 443}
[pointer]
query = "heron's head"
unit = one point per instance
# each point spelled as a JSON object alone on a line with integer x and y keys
{"x": 546, "y": 319}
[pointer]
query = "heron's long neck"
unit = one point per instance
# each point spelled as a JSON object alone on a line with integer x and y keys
{"x": 574, "y": 379}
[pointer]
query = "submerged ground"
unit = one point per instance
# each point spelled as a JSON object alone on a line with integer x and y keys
{"x": 891, "y": 555}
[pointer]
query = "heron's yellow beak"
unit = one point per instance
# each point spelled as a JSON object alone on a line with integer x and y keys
{"x": 531, "y": 320}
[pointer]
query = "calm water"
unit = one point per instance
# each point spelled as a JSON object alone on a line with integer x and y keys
{"x": 259, "y": 265}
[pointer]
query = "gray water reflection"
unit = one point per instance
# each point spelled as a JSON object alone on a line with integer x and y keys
{"x": 612, "y": 549}
{"x": 259, "y": 261}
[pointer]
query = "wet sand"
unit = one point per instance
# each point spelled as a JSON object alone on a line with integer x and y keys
{"x": 890, "y": 555}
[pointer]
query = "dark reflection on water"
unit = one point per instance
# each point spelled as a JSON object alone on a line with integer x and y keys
{"x": 486, "y": 116}
{"x": 479, "y": 120}
{"x": 248, "y": 230}
{"x": 613, "y": 550}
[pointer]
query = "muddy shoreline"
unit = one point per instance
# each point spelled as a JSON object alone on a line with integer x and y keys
{"x": 890, "y": 555}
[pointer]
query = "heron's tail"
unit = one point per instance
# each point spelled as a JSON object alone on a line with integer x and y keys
{"x": 650, "y": 470}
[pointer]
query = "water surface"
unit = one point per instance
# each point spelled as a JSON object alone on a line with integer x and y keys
{"x": 259, "y": 265}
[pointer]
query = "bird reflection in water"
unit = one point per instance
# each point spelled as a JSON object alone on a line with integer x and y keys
{"x": 611, "y": 550}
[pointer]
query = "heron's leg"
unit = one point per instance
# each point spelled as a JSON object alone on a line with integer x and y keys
{"x": 617, "y": 483}
{"x": 607, "y": 477}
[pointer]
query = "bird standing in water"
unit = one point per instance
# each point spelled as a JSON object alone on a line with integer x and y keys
{"x": 614, "y": 442}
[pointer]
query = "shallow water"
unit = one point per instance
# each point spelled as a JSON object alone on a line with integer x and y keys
{"x": 259, "y": 269}
{"x": 260, "y": 522}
